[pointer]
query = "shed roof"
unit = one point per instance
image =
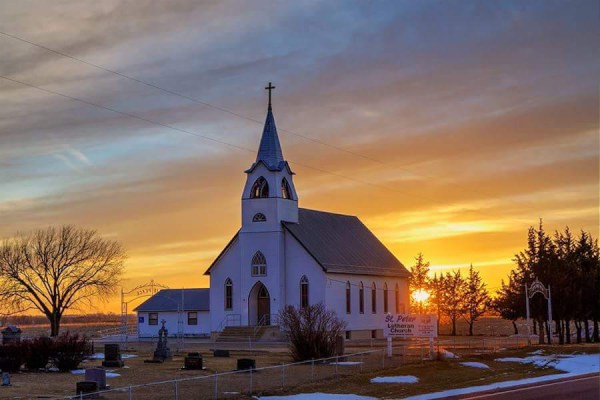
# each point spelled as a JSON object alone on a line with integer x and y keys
{"x": 172, "y": 299}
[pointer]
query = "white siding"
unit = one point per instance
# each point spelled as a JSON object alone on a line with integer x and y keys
{"x": 228, "y": 266}
{"x": 172, "y": 318}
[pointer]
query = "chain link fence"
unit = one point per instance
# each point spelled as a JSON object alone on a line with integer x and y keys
{"x": 275, "y": 378}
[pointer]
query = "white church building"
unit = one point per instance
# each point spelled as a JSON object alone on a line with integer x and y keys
{"x": 286, "y": 255}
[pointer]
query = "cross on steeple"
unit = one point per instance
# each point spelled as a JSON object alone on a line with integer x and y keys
{"x": 270, "y": 88}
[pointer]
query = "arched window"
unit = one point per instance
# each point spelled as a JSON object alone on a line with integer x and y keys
{"x": 374, "y": 298}
{"x": 397, "y": 298}
{"x": 259, "y": 264}
{"x": 260, "y": 217}
{"x": 228, "y": 294}
{"x": 303, "y": 292}
{"x": 385, "y": 298}
{"x": 260, "y": 188}
{"x": 348, "y": 298}
{"x": 361, "y": 298}
{"x": 286, "y": 192}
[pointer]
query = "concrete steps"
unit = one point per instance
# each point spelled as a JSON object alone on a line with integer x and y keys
{"x": 245, "y": 333}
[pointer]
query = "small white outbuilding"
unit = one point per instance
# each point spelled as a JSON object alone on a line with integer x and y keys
{"x": 185, "y": 312}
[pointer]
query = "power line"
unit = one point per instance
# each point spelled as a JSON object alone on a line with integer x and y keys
{"x": 225, "y": 110}
{"x": 199, "y": 135}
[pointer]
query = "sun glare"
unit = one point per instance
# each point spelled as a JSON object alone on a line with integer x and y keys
{"x": 420, "y": 295}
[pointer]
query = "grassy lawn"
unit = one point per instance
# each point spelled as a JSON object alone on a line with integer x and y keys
{"x": 355, "y": 378}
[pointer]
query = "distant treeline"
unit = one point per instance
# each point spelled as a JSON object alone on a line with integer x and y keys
{"x": 68, "y": 319}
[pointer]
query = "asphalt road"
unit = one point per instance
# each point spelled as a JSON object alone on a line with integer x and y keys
{"x": 578, "y": 388}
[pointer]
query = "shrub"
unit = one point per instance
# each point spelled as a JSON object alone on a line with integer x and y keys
{"x": 12, "y": 356}
{"x": 39, "y": 351}
{"x": 70, "y": 350}
{"x": 312, "y": 331}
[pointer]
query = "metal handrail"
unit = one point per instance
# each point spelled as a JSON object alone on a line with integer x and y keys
{"x": 263, "y": 322}
{"x": 236, "y": 318}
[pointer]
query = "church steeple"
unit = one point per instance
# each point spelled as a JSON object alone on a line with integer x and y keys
{"x": 269, "y": 151}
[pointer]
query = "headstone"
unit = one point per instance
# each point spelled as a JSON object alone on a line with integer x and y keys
{"x": 246, "y": 363}
{"x": 97, "y": 375}
{"x": 6, "y": 379}
{"x": 87, "y": 387}
{"x": 221, "y": 353}
{"x": 162, "y": 351}
{"x": 193, "y": 361}
{"x": 112, "y": 356}
{"x": 11, "y": 334}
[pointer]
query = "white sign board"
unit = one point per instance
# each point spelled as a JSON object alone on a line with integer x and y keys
{"x": 410, "y": 325}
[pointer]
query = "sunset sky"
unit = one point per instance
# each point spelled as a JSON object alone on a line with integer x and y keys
{"x": 448, "y": 127}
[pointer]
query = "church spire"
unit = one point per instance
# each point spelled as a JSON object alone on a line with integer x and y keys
{"x": 269, "y": 151}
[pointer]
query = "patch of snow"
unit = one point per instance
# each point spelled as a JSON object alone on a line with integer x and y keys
{"x": 537, "y": 352}
{"x": 395, "y": 379}
{"x": 78, "y": 371}
{"x": 318, "y": 396}
{"x": 112, "y": 375}
{"x": 574, "y": 364}
{"x": 447, "y": 354}
{"x": 347, "y": 363}
{"x": 100, "y": 356}
{"x": 475, "y": 364}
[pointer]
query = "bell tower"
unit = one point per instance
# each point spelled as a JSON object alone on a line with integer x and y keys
{"x": 269, "y": 195}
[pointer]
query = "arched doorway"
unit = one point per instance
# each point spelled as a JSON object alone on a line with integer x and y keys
{"x": 259, "y": 305}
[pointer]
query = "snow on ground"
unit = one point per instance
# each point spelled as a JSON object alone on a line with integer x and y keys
{"x": 574, "y": 365}
{"x": 447, "y": 354}
{"x": 317, "y": 396}
{"x": 109, "y": 373}
{"x": 100, "y": 356}
{"x": 475, "y": 364}
{"x": 537, "y": 352}
{"x": 395, "y": 379}
{"x": 347, "y": 363}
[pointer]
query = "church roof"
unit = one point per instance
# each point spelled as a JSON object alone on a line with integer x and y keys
{"x": 269, "y": 151}
{"x": 171, "y": 300}
{"x": 343, "y": 244}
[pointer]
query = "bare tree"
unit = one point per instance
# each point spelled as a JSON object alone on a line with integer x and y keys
{"x": 56, "y": 269}
{"x": 312, "y": 330}
{"x": 452, "y": 303}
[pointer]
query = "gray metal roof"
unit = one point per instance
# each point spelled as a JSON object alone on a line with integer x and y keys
{"x": 269, "y": 150}
{"x": 343, "y": 244}
{"x": 171, "y": 300}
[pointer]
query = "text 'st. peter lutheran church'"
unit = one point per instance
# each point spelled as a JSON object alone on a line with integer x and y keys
{"x": 284, "y": 254}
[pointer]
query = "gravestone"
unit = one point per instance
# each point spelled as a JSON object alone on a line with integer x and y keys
{"x": 6, "y": 379}
{"x": 87, "y": 387}
{"x": 221, "y": 353}
{"x": 112, "y": 356}
{"x": 97, "y": 375}
{"x": 246, "y": 363}
{"x": 11, "y": 334}
{"x": 193, "y": 361}
{"x": 162, "y": 351}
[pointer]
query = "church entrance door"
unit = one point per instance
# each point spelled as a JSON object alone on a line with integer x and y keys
{"x": 259, "y": 303}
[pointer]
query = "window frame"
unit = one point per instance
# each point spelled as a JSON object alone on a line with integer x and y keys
{"x": 361, "y": 298}
{"x": 348, "y": 298}
{"x": 192, "y": 320}
{"x": 286, "y": 190}
{"x": 260, "y": 188}
{"x": 152, "y": 321}
{"x": 228, "y": 294}
{"x": 397, "y": 298}
{"x": 385, "y": 298}
{"x": 259, "y": 217}
{"x": 373, "y": 298}
{"x": 258, "y": 266}
{"x": 304, "y": 293}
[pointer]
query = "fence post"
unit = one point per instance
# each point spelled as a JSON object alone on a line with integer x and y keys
{"x": 251, "y": 381}
{"x": 176, "y": 390}
{"x": 383, "y": 359}
{"x": 312, "y": 369}
{"x": 336, "y": 365}
{"x": 130, "y": 394}
{"x": 421, "y": 350}
{"x": 361, "y": 362}
{"x": 282, "y": 375}
{"x": 216, "y": 385}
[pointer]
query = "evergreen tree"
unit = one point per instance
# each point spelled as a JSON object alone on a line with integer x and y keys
{"x": 476, "y": 298}
{"x": 452, "y": 304}
{"x": 418, "y": 281}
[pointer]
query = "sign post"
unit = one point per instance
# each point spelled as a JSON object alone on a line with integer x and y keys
{"x": 406, "y": 326}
